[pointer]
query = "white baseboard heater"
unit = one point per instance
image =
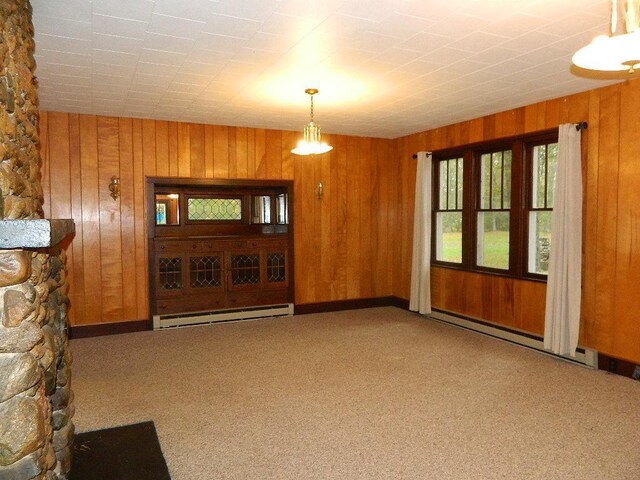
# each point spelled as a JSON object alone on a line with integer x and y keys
{"x": 217, "y": 316}
{"x": 584, "y": 356}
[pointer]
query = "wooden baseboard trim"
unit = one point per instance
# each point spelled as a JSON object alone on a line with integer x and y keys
{"x": 353, "y": 304}
{"x": 100, "y": 329}
{"x": 616, "y": 365}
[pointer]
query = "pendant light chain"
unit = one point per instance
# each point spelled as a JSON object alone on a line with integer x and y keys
{"x": 311, "y": 95}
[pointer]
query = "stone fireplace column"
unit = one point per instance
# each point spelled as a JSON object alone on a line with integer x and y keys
{"x": 36, "y": 402}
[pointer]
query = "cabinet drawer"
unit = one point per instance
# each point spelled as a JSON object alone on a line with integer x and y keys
{"x": 190, "y": 303}
{"x": 270, "y": 297}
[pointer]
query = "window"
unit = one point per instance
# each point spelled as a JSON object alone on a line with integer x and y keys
{"x": 492, "y": 206}
{"x": 214, "y": 208}
{"x": 543, "y": 164}
{"x": 448, "y": 215}
{"x": 493, "y": 213}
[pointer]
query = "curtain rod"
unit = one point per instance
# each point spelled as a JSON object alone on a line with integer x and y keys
{"x": 579, "y": 126}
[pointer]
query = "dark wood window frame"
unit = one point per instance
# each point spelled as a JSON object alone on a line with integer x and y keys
{"x": 521, "y": 183}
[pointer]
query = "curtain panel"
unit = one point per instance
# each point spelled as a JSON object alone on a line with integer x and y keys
{"x": 564, "y": 281}
{"x": 420, "y": 300}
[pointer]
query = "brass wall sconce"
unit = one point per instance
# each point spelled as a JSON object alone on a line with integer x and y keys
{"x": 319, "y": 191}
{"x": 114, "y": 187}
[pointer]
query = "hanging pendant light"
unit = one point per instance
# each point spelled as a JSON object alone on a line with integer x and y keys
{"x": 614, "y": 53}
{"x": 311, "y": 144}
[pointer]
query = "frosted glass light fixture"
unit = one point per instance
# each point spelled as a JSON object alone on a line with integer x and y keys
{"x": 310, "y": 143}
{"x": 615, "y": 52}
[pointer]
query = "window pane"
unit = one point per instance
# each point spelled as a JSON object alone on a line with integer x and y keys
{"x": 261, "y": 209}
{"x": 539, "y": 241}
{"x": 496, "y": 180}
{"x": 214, "y": 209}
{"x": 460, "y": 177}
{"x": 552, "y": 167}
{"x": 282, "y": 209}
{"x": 539, "y": 176}
{"x": 493, "y": 240}
{"x": 506, "y": 167}
{"x": 449, "y": 237}
{"x": 485, "y": 181}
{"x": 443, "y": 185}
{"x": 453, "y": 194}
{"x": 167, "y": 209}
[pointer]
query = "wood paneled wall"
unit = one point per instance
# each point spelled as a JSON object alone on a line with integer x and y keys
{"x": 611, "y": 256}
{"x": 341, "y": 241}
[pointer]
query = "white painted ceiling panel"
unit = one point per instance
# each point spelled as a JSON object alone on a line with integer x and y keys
{"x": 384, "y": 67}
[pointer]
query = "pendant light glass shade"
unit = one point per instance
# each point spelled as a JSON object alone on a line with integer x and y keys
{"x": 311, "y": 143}
{"x": 610, "y": 54}
{"x": 615, "y": 52}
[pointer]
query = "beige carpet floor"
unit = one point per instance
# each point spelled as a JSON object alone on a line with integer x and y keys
{"x": 367, "y": 394}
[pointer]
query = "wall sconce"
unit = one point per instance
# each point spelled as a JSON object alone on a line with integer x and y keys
{"x": 114, "y": 187}
{"x": 319, "y": 190}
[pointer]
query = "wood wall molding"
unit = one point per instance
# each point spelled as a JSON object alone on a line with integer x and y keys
{"x": 356, "y": 303}
{"x": 115, "y": 328}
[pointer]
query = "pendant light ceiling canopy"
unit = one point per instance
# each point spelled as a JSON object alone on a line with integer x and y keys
{"x": 311, "y": 144}
{"x": 616, "y": 52}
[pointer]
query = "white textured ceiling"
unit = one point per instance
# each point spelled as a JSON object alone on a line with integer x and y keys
{"x": 384, "y": 68}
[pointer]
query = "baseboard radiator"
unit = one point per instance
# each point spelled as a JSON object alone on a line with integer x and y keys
{"x": 217, "y": 316}
{"x": 583, "y": 356}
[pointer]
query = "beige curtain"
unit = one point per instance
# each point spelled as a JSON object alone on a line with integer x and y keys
{"x": 562, "y": 312}
{"x": 420, "y": 300}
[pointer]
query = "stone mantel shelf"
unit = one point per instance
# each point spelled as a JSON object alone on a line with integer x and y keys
{"x": 34, "y": 232}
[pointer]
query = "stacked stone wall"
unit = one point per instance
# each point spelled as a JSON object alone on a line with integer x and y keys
{"x": 20, "y": 187}
{"x": 36, "y": 402}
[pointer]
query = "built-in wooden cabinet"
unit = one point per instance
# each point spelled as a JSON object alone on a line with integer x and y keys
{"x": 219, "y": 246}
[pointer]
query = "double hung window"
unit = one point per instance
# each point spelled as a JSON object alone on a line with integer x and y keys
{"x": 492, "y": 206}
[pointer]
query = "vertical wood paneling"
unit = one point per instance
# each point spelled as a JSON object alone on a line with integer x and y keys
{"x": 353, "y": 220}
{"x": 74, "y": 260}
{"x": 365, "y": 187}
{"x": 110, "y": 263}
{"x": 139, "y": 219}
{"x": 606, "y": 233}
{"x": 59, "y": 162}
{"x": 274, "y": 154}
{"x": 356, "y": 242}
{"x": 241, "y": 153}
{"x": 196, "y": 154}
{"x": 288, "y": 142}
{"x": 110, "y": 242}
{"x": 90, "y": 219}
{"x": 174, "y": 164}
{"x": 611, "y": 259}
{"x": 45, "y": 163}
{"x": 127, "y": 213}
{"x": 260, "y": 158}
{"x": 251, "y": 153}
{"x": 627, "y": 250}
{"x": 208, "y": 151}
{"x": 324, "y": 287}
{"x": 220, "y": 152}
{"x": 184, "y": 150}
{"x": 162, "y": 148}
{"x": 233, "y": 154}
{"x": 339, "y": 208}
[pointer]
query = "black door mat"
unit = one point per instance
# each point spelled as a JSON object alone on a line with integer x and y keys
{"x": 131, "y": 452}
